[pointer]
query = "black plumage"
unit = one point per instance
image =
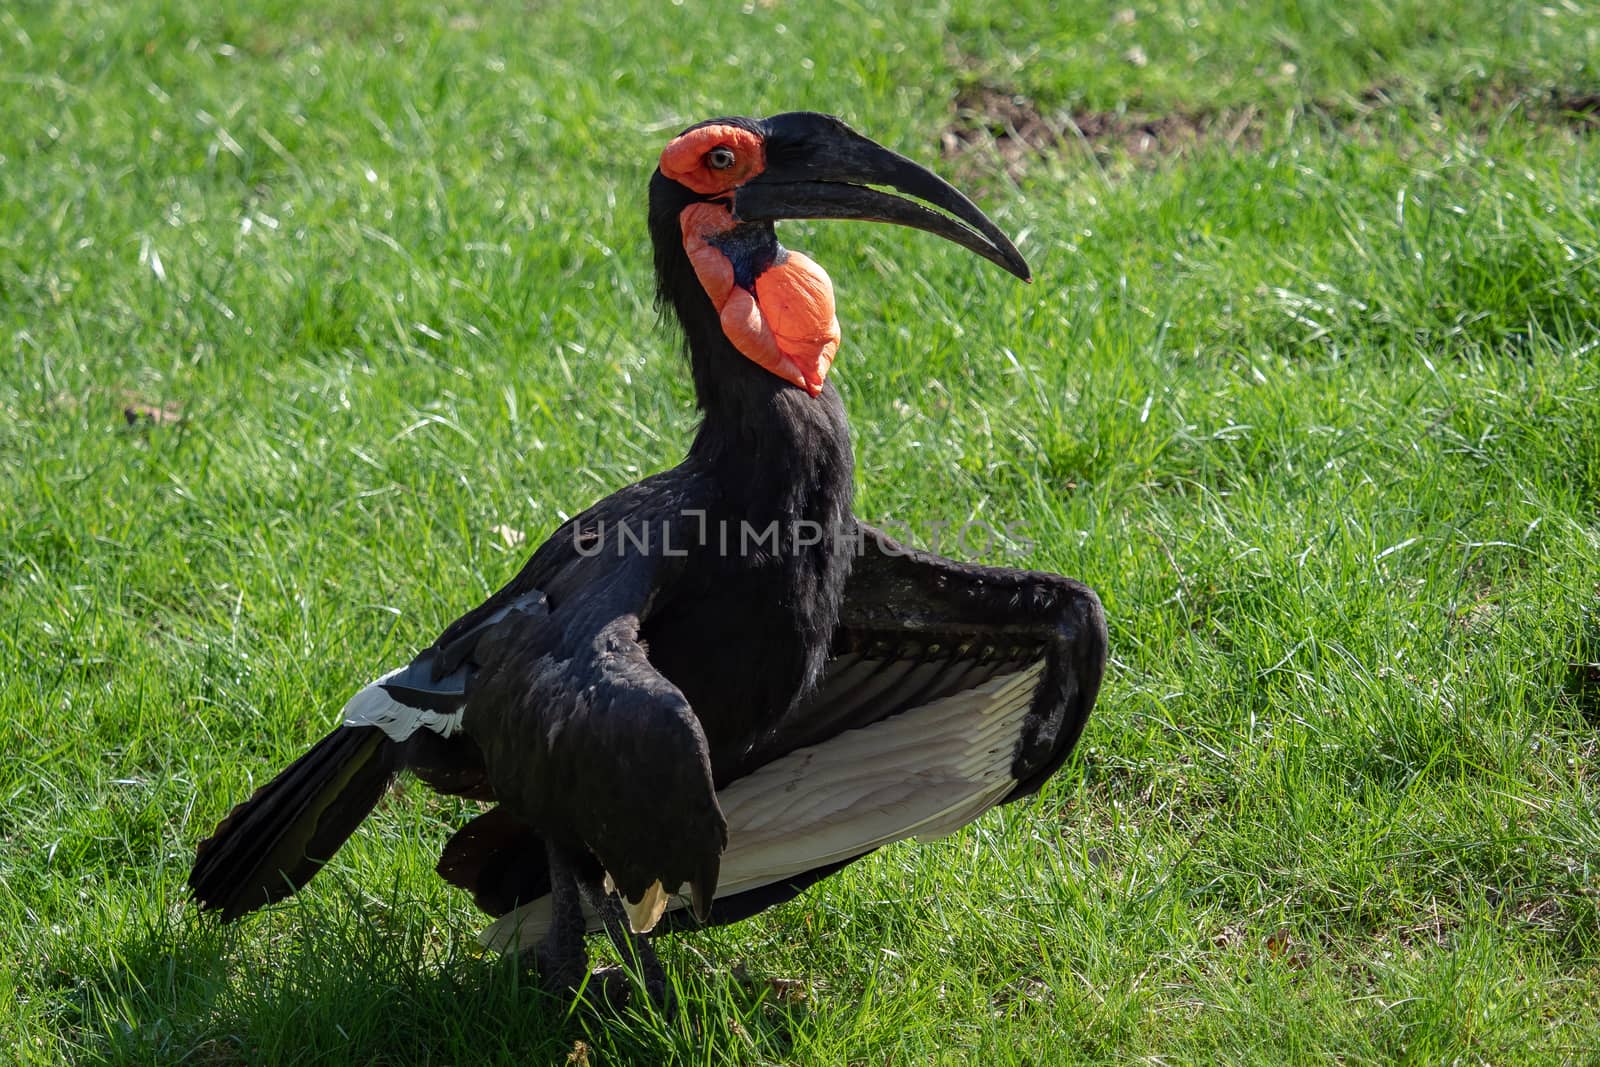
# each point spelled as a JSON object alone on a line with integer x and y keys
{"x": 722, "y": 624}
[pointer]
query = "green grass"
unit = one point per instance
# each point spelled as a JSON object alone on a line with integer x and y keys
{"x": 1318, "y": 416}
{"x": 1208, "y": 53}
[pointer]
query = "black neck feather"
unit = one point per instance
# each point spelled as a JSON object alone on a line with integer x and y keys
{"x": 776, "y": 451}
{"x": 773, "y": 453}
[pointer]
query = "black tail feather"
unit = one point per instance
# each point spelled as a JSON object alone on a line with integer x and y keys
{"x": 270, "y": 845}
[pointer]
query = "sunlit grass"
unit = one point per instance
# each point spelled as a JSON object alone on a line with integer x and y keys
{"x": 1319, "y": 417}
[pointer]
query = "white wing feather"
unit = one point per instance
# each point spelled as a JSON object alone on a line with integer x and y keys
{"x": 373, "y": 706}
{"x": 923, "y": 773}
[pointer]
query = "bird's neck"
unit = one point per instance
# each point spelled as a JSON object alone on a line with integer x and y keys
{"x": 782, "y": 470}
{"x": 776, "y": 452}
{"x": 778, "y": 459}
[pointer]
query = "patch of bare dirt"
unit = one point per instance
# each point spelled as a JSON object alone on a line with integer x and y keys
{"x": 1581, "y": 110}
{"x": 1576, "y": 111}
{"x": 993, "y": 120}
{"x": 137, "y": 412}
{"x": 991, "y": 124}
{"x": 134, "y": 414}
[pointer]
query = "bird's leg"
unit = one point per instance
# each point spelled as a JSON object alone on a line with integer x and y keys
{"x": 634, "y": 948}
{"x": 561, "y": 957}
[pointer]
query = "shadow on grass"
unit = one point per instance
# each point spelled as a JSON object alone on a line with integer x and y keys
{"x": 1580, "y": 683}
{"x": 364, "y": 989}
{"x": 1582, "y": 687}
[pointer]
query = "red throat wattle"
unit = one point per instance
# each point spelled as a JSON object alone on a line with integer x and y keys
{"x": 785, "y": 322}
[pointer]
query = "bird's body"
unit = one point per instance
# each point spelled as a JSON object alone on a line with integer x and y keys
{"x": 715, "y": 680}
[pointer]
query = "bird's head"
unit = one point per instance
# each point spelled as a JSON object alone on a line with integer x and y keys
{"x": 722, "y": 184}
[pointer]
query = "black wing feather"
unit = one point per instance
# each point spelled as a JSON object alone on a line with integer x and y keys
{"x": 588, "y": 744}
{"x": 916, "y": 628}
{"x": 979, "y": 622}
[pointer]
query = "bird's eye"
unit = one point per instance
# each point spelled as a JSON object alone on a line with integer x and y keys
{"x": 720, "y": 158}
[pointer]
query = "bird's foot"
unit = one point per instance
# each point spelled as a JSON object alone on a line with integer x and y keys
{"x": 635, "y": 949}
{"x": 613, "y": 987}
{"x": 560, "y": 968}
{"x": 565, "y": 974}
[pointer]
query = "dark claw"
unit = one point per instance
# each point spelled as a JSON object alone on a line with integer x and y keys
{"x": 612, "y": 988}
{"x": 561, "y": 970}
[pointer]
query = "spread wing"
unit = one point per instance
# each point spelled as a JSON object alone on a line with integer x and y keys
{"x": 951, "y": 688}
{"x": 586, "y": 743}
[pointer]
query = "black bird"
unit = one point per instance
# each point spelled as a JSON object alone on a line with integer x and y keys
{"x": 716, "y": 686}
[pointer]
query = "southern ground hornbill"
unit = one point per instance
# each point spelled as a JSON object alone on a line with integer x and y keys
{"x": 715, "y": 686}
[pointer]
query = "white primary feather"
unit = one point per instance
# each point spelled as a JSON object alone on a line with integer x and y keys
{"x": 373, "y": 706}
{"x": 644, "y": 913}
{"x": 923, "y": 773}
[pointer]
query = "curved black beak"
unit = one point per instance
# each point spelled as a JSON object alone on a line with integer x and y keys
{"x": 819, "y": 168}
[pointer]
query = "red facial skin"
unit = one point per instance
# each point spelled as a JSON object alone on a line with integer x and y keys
{"x": 787, "y": 324}
{"x": 685, "y": 162}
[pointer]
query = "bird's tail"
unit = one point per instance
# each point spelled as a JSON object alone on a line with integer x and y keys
{"x": 270, "y": 845}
